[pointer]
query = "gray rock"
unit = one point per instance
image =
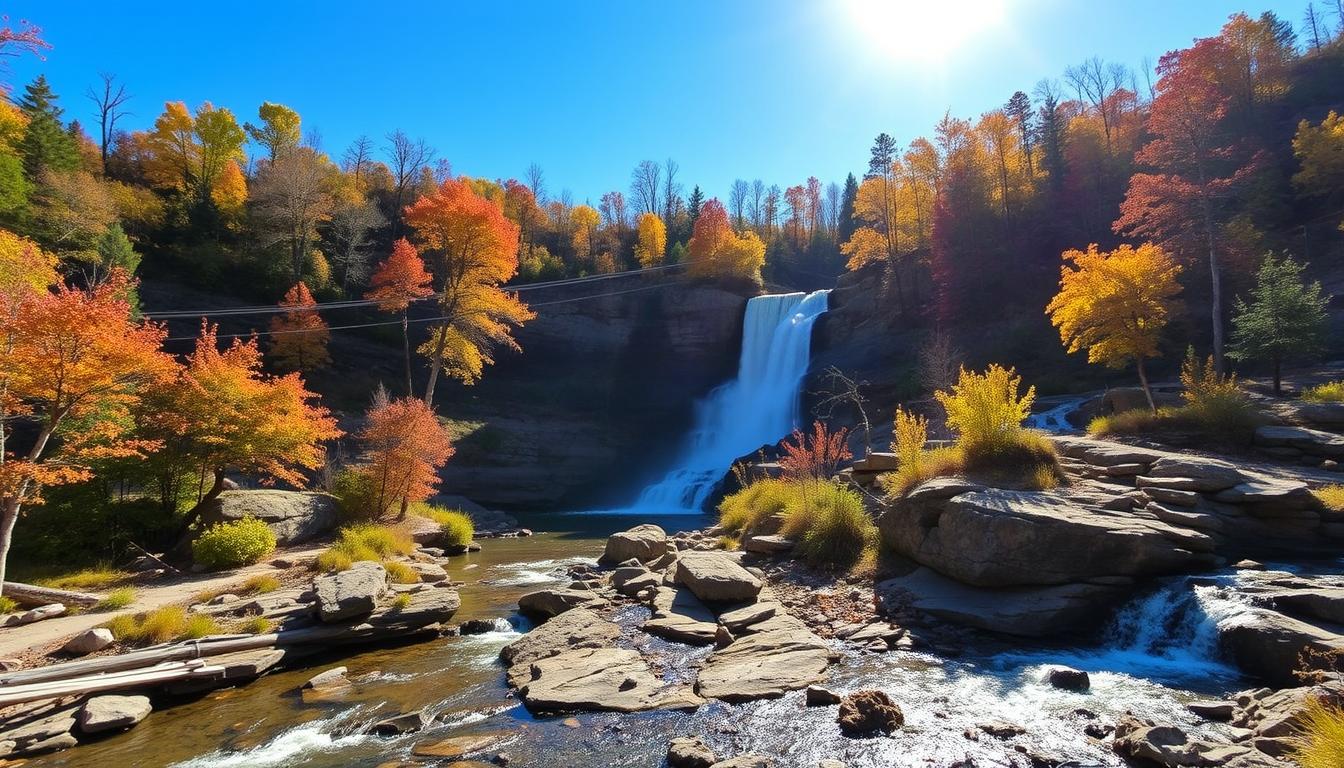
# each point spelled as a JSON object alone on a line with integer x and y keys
{"x": 428, "y": 605}
{"x": 942, "y": 488}
{"x": 738, "y": 619}
{"x": 679, "y": 616}
{"x": 579, "y": 628}
{"x": 41, "y": 613}
{"x": 768, "y": 544}
{"x": 604, "y": 679}
{"x": 689, "y": 752}
{"x": 745, "y": 761}
{"x": 292, "y": 516}
{"x": 1208, "y": 474}
{"x": 408, "y": 722}
{"x": 1312, "y": 441}
{"x": 1271, "y": 645}
{"x": 351, "y": 593}
{"x": 88, "y": 641}
{"x": 716, "y": 577}
{"x": 328, "y": 678}
{"x": 1069, "y": 679}
{"x": 781, "y": 654}
{"x": 548, "y": 603}
{"x": 112, "y": 713}
{"x": 817, "y": 696}
{"x": 643, "y": 543}
{"x": 1266, "y": 490}
{"x": 645, "y": 581}
{"x": 1220, "y": 711}
{"x": 429, "y": 573}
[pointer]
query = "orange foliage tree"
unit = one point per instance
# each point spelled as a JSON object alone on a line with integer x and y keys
{"x": 716, "y": 251}
{"x": 299, "y": 335}
{"x": 816, "y": 455}
{"x": 73, "y": 363}
{"x": 475, "y": 248}
{"x": 397, "y": 282}
{"x": 406, "y": 447}
{"x": 223, "y": 414}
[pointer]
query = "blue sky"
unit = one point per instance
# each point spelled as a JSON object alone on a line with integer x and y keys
{"x": 747, "y": 88}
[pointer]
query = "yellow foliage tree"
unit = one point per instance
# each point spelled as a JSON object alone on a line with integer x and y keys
{"x": 1116, "y": 304}
{"x": 718, "y": 252}
{"x": 651, "y": 245}
{"x": 230, "y": 192}
{"x": 585, "y": 220}
{"x": 1320, "y": 150}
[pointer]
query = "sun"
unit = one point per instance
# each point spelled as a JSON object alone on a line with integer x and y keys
{"x": 924, "y": 32}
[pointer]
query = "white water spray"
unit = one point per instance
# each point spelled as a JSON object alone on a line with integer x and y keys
{"x": 760, "y": 406}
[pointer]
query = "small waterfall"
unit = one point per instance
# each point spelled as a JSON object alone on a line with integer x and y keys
{"x": 758, "y": 407}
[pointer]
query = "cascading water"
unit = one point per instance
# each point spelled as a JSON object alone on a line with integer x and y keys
{"x": 758, "y": 407}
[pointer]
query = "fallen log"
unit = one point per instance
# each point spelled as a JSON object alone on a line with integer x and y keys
{"x": 153, "y": 676}
{"x": 31, "y": 594}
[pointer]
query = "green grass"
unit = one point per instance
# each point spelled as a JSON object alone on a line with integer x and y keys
{"x": 257, "y": 625}
{"x": 162, "y": 625}
{"x": 1331, "y": 392}
{"x": 401, "y": 602}
{"x": 827, "y": 521}
{"x": 1332, "y": 497}
{"x": 116, "y": 599}
{"x": 455, "y": 525}
{"x": 1320, "y": 743}
{"x": 97, "y": 578}
{"x": 401, "y": 573}
{"x": 364, "y": 541}
{"x": 742, "y": 511}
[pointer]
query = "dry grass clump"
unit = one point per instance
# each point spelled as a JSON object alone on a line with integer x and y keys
{"x": 1320, "y": 742}
{"x": 364, "y": 541}
{"x": 1330, "y": 392}
{"x": 93, "y": 579}
{"x": 455, "y": 524}
{"x": 827, "y": 521}
{"x": 162, "y": 625}
{"x": 1332, "y": 497}
{"x": 116, "y": 599}
{"x": 1215, "y": 408}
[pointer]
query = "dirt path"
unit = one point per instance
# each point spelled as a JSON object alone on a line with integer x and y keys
{"x": 18, "y": 641}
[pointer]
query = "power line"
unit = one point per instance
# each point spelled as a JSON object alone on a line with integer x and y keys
{"x": 173, "y": 314}
{"x": 353, "y": 326}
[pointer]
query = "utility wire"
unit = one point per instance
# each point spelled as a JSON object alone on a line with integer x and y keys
{"x": 353, "y": 326}
{"x": 172, "y": 314}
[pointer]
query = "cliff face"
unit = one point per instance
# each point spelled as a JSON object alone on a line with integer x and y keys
{"x": 601, "y": 393}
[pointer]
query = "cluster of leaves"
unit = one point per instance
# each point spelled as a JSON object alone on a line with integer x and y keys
{"x": 233, "y": 544}
{"x": 718, "y": 252}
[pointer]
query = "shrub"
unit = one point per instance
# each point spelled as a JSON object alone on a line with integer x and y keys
{"x": 909, "y": 434}
{"x": 332, "y": 560}
{"x": 829, "y": 524}
{"x": 984, "y": 409}
{"x": 742, "y": 511}
{"x": 401, "y": 573}
{"x": 1331, "y": 392}
{"x": 935, "y": 462}
{"x": 1320, "y": 743}
{"x": 1332, "y": 497}
{"x": 116, "y": 599}
{"x": 455, "y": 524}
{"x": 171, "y": 622}
{"x": 364, "y": 541}
{"x": 229, "y": 545}
{"x": 7, "y": 605}
{"x": 257, "y": 625}
{"x": 401, "y": 601}
{"x": 815, "y": 455}
{"x": 356, "y": 495}
{"x": 1023, "y": 459}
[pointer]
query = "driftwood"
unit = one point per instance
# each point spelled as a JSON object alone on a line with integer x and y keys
{"x": 29, "y": 594}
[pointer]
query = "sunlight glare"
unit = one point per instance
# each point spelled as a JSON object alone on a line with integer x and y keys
{"x": 923, "y": 31}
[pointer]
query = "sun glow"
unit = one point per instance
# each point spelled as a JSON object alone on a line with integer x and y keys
{"x": 923, "y": 31}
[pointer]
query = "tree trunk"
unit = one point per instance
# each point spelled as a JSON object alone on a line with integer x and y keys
{"x": 435, "y": 363}
{"x": 1147, "y": 390}
{"x": 406, "y": 344}
{"x": 9, "y": 514}
{"x": 1278, "y": 376}
{"x": 215, "y": 489}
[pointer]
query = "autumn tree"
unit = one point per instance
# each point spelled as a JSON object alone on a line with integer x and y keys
{"x": 651, "y": 244}
{"x": 398, "y": 281}
{"x": 190, "y": 152}
{"x": 1115, "y": 304}
{"x": 406, "y": 446}
{"x": 224, "y": 415}
{"x": 72, "y": 365}
{"x": 278, "y": 130}
{"x": 293, "y": 195}
{"x": 1284, "y": 319}
{"x": 1182, "y": 203}
{"x": 585, "y": 221}
{"x": 299, "y": 335}
{"x": 717, "y": 252}
{"x": 475, "y": 249}
{"x": 1320, "y": 151}
{"x": 25, "y": 37}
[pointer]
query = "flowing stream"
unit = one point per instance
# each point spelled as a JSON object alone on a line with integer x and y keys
{"x": 757, "y": 408}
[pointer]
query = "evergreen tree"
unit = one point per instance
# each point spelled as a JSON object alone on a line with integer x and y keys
{"x": 45, "y": 143}
{"x": 116, "y": 252}
{"x": 1019, "y": 109}
{"x": 844, "y": 228}
{"x": 883, "y": 153}
{"x": 693, "y": 205}
{"x": 1284, "y": 319}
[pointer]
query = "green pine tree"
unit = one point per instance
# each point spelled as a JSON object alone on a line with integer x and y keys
{"x": 844, "y": 228}
{"x": 115, "y": 251}
{"x": 1285, "y": 318}
{"x": 45, "y": 145}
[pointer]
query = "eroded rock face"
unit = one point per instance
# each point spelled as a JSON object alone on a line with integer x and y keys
{"x": 716, "y": 577}
{"x": 350, "y": 593}
{"x": 644, "y": 543}
{"x": 865, "y": 712}
{"x": 293, "y": 516}
{"x": 606, "y": 679}
{"x": 1000, "y": 538}
{"x": 779, "y": 655}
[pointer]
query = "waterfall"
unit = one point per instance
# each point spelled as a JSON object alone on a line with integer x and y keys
{"x": 758, "y": 407}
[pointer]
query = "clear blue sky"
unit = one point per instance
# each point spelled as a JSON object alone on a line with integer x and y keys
{"x": 729, "y": 88}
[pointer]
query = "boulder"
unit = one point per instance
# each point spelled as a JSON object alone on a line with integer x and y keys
{"x": 745, "y": 761}
{"x": 1001, "y": 538}
{"x": 716, "y": 577}
{"x": 88, "y": 641}
{"x": 426, "y": 606}
{"x": 398, "y": 725}
{"x": 1271, "y": 645}
{"x": 942, "y": 488}
{"x": 294, "y": 516}
{"x": 877, "y": 462}
{"x": 768, "y": 545}
{"x": 646, "y": 580}
{"x": 1205, "y": 473}
{"x": 578, "y": 628}
{"x": 40, "y": 613}
{"x": 866, "y": 712}
{"x": 643, "y": 543}
{"x": 1220, "y": 711}
{"x": 781, "y": 654}
{"x": 679, "y": 616}
{"x": 689, "y": 752}
{"x": 1069, "y": 679}
{"x": 816, "y": 696}
{"x": 429, "y": 573}
{"x": 1169, "y": 746}
{"x": 350, "y": 593}
{"x": 1312, "y": 441}
{"x": 603, "y": 679}
{"x": 1319, "y": 602}
{"x": 738, "y": 619}
{"x": 112, "y": 713}
{"x": 457, "y": 747}
{"x": 547, "y": 603}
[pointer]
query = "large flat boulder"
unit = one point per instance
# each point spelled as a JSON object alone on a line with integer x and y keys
{"x": 350, "y": 593}
{"x": 546, "y": 603}
{"x": 1000, "y": 538}
{"x": 1271, "y": 645}
{"x": 1207, "y": 474}
{"x": 1312, "y": 441}
{"x": 1023, "y": 611}
{"x": 112, "y": 713}
{"x": 602, "y": 679}
{"x": 780, "y": 655}
{"x": 577, "y": 628}
{"x": 293, "y": 516}
{"x": 643, "y": 543}
{"x": 716, "y": 577}
{"x": 678, "y": 615}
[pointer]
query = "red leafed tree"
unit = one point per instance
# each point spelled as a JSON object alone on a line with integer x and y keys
{"x": 1196, "y": 165}
{"x": 16, "y": 40}
{"x": 816, "y": 455}
{"x": 406, "y": 446}
{"x": 299, "y": 335}
{"x": 397, "y": 282}
{"x": 73, "y": 364}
